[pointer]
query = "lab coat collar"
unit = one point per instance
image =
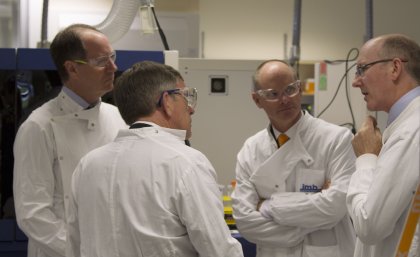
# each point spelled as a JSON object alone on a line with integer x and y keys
{"x": 291, "y": 132}
{"x": 294, "y": 148}
{"x": 289, "y": 154}
{"x": 271, "y": 175}
{"x": 296, "y": 132}
{"x": 66, "y": 104}
{"x": 69, "y": 109}
{"x": 178, "y": 133}
{"x": 75, "y": 97}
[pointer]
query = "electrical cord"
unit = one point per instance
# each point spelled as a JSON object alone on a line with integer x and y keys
{"x": 347, "y": 89}
{"x": 345, "y": 76}
{"x": 162, "y": 35}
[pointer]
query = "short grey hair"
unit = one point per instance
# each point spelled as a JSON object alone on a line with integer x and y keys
{"x": 138, "y": 89}
{"x": 401, "y": 46}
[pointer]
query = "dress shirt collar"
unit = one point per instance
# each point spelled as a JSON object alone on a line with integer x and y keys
{"x": 70, "y": 93}
{"x": 75, "y": 97}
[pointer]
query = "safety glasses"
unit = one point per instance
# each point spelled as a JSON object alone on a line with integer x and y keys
{"x": 189, "y": 93}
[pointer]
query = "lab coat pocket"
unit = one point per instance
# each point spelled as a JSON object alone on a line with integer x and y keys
{"x": 309, "y": 180}
{"x": 320, "y": 251}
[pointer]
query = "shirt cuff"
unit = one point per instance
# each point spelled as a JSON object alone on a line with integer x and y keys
{"x": 265, "y": 209}
{"x": 366, "y": 161}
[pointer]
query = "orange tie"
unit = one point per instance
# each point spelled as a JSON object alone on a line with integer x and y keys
{"x": 282, "y": 139}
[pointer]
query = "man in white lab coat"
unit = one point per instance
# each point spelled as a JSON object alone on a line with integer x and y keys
{"x": 387, "y": 166}
{"x": 148, "y": 193}
{"x": 290, "y": 193}
{"x": 50, "y": 143}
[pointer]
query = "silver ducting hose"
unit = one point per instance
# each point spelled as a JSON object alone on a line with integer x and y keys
{"x": 120, "y": 18}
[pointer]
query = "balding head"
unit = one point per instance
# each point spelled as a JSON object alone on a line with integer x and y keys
{"x": 270, "y": 68}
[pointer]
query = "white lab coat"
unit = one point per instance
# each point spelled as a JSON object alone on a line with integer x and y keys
{"x": 382, "y": 187}
{"x": 48, "y": 146}
{"x": 147, "y": 194}
{"x": 302, "y": 224}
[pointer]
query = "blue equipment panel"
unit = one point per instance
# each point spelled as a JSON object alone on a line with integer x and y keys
{"x": 34, "y": 59}
{"x": 249, "y": 249}
{"x": 8, "y": 59}
{"x": 40, "y": 58}
{"x": 125, "y": 59}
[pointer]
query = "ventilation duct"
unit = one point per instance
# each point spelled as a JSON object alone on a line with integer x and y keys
{"x": 121, "y": 16}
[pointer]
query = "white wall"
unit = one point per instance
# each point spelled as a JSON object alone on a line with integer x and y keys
{"x": 222, "y": 122}
{"x": 57, "y": 9}
{"x": 250, "y": 29}
{"x": 181, "y": 28}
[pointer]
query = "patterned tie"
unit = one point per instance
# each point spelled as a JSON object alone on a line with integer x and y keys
{"x": 282, "y": 139}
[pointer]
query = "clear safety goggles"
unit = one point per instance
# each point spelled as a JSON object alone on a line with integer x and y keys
{"x": 273, "y": 95}
{"x": 189, "y": 93}
{"x": 100, "y": 61}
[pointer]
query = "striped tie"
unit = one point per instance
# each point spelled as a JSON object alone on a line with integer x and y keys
{"x": 282, "y": 139}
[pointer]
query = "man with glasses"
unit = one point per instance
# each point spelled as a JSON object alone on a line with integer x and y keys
{"x": 50, "y": 143}
{"x": 292, "y": 176}
{"x": 189, "y": 93}
{"x": 387, "y": 165}
{"x": 147, "y": 193}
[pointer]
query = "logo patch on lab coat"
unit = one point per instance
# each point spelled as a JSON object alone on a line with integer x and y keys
{"x": 309, "y": 180}
{"x": 310, "y": 188}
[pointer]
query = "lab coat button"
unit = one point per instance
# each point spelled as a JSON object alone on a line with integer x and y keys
{"x": 76, "y": 115}
{"x": 61, "y": 158}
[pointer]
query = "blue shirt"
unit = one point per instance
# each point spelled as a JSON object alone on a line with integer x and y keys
{"x": 402, "y": 103}
{"x": 75, "y": 97}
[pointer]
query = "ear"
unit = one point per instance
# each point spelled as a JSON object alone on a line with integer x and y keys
{"x": 70, "y": 68}
{"x": 256, "y": 99}
{"x": 397, "y": 68}
{"x": 167, "y": 104}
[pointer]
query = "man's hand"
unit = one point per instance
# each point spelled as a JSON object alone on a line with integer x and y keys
{"x": 368, "y": 139}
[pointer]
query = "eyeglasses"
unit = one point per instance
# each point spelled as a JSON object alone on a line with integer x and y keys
{"x": 360, "y": 69}
{"x": 273, "y": 95}
{"x": 189, "y": 93}
{"x": 101, "y": 61}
